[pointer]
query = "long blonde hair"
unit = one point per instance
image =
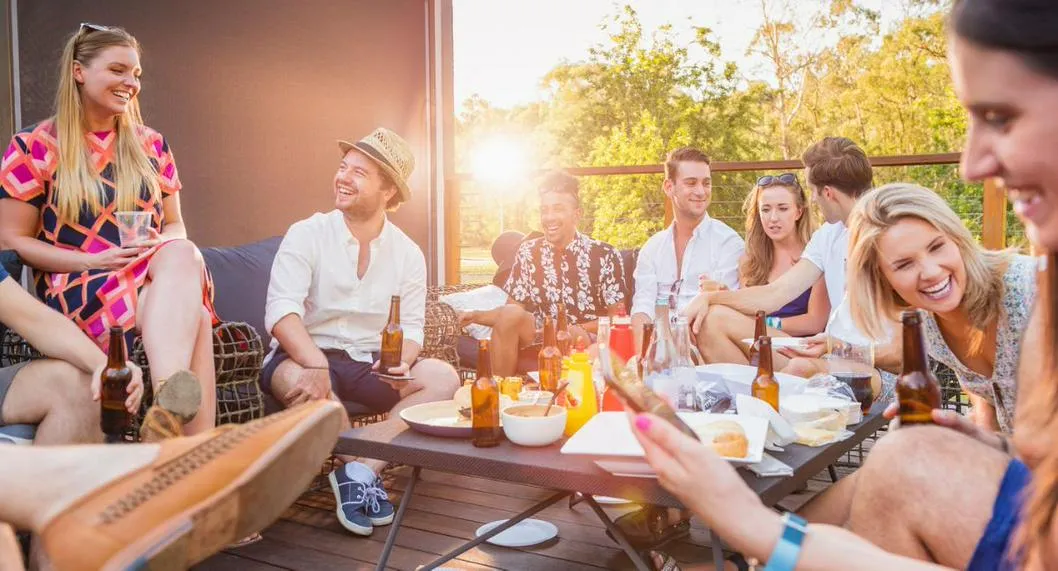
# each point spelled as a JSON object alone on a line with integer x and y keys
{"x": 760, "y": 252}
{"x": 870, "y": 294}
{"x": 77, "y": 182}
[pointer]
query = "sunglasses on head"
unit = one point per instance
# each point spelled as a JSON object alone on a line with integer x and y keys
{"x": 784, "y": 178}
{"x": 87, "y": 28}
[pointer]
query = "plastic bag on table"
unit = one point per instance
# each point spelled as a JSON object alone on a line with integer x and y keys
{"x": 712, "y": 395}
{"x": 831, "y": 386}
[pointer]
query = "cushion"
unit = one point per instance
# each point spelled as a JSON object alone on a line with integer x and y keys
{"x": 17, "y": 434}
{"x": 483, "y": 298}
{"x": 240, "y": 281}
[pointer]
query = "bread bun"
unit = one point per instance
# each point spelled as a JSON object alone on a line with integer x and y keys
{"x": 726, "y": 437}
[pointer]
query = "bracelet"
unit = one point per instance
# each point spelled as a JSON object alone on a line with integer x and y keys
{"x": 773, "y": 322}
{"x": 788, "y": 549}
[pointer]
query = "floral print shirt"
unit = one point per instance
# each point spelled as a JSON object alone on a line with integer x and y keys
{"x": 1019, "y": 293}
{"x": 587, "y": 276}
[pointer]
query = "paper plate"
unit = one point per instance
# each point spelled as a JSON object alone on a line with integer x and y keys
{"x": 525, "y": 533}
{"x": 442, "y": 418}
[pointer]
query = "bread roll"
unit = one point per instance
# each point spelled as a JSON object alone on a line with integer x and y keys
{"x": 726, "y": 437}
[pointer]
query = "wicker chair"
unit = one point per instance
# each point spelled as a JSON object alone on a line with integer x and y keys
{"x": 442, "y": 328}
{"x": 237, "y": 357}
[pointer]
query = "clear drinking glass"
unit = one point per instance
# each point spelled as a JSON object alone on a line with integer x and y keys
{"x": 133, "y": 227}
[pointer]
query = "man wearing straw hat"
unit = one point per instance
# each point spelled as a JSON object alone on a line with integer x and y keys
{"x": 328, "y": 301}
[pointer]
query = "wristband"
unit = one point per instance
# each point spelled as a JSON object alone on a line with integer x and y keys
{"x": 788, "y": 550}
{"x": 773, "y": 322}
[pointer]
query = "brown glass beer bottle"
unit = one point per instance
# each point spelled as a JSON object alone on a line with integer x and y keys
{"x": 392, "y": 338}
{"x": 485, "y": 401}
{"x": 764, "y": 386}
{"x": 759, "y": 330}
{"x": 563, "y": 340}
{"x": 549, "y": 360}
{"x": 114, "y": 420}
{"x": 917, "y": 390}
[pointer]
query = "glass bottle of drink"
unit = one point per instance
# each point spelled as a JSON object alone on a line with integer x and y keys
{"x": 622, "y": 342}
{"x": 392, "y": 338}
{"x": 683, "y": 369}
{"x": 760, "y": 329}
{"x": 549, "y": 360}
{"x": 917, "y": 389}
{"x": 485, "y": 401}
{"x": 582, "y": 401}
{"x": 658, "y": 369}
{"x": 764, "y": 386}
{"x": 114, "y": 419}
{"x": 563, "y": 340}
{"x": 648, "y": 340}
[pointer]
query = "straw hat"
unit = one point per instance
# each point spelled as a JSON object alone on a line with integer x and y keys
{"x": 390, "y": 152}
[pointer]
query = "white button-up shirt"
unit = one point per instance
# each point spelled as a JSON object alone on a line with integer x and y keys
{"x": 714, "y": 250}
{"x": 314, "y": 276}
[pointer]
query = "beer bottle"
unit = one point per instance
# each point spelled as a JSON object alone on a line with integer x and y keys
{"x": 648, "y": 338}
{"x": 764, "y": 386}
{"x": 563, "y": 340}
{"x": 114, "y": 419}
{"x": 392, "y": 338}
{"x": 485, "y": 401}
{"x": 759, "y": 331}
{"x": 549, "y": 360}
{"x": 917, "y": 389}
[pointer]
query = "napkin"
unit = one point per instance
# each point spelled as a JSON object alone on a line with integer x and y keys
{"x": 770, "y": 466}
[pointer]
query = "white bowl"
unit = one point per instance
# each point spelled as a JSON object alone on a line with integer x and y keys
{"x": 533, "y": 430}
{"x": 738, "y": 378}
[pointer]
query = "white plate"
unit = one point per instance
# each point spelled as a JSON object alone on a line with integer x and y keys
{"x": 782, "y": 342}
{"x": 738, "y": 378}
{"x": 623, "y": 456}
{"x": 442, "y": 418}
{"x": 523, "y": 534}
{"x": 534, "y": 375}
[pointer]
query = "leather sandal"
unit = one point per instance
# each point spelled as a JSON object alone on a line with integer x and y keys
{"x": 180, "y": 394}
{"x": 651, "y": 527}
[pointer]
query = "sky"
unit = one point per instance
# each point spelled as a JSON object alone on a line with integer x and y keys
{"x": 503, "y": 48}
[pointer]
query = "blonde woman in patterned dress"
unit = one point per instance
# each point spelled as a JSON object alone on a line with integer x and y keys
{"x": 907, "y": 248}
{"x": 61, "y": 183}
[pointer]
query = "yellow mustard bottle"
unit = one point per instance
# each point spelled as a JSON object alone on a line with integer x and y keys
{"x": 583, "y": 403}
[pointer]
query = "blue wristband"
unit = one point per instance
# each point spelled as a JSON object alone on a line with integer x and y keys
{"x": 788, "y": 549}
{"x": 773, "y": 322}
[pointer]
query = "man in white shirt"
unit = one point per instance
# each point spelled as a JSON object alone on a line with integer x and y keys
{"x": 329, "y": 299}
{"x": 694, "y": 247}
{"x": 838, "y": 172}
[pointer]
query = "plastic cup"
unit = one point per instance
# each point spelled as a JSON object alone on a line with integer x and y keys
{"x": 133, "y": 227}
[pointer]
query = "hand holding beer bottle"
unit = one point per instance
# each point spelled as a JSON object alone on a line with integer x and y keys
{"x": 917, "y": 390}
{"x": 392, "y": 340}
{"x": 118, "y": 387}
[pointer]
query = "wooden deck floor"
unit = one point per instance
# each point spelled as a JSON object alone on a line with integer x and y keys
{"x": 445, "y": 512}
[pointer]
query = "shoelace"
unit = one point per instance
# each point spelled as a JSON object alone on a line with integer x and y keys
{"x": 370, "y": 496}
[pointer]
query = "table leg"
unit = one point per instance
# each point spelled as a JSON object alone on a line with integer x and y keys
{"x": 619, "y": 535}
{"x": 493, "y": 532}
{"x": 718, "y": 549}
{"x": 833, "y": 473}
{"x": 395, "y": 526}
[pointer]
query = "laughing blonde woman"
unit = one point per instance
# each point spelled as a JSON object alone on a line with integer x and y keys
{"x": 62, "y": 182}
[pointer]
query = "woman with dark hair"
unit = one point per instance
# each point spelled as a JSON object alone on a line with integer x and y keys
{"x": 1004, "y": 60}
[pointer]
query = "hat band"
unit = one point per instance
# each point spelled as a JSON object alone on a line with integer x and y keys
{"x": 370, "y": 151}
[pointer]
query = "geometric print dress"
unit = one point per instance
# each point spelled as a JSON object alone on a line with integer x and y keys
{"x": 98, "y": 298}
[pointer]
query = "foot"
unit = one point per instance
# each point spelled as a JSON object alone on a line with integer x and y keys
{"x": 180, "y": 394}
{"x": 360, "y": 507}
{"x": 159, "y": 424}
{"x": 178, "y": 502}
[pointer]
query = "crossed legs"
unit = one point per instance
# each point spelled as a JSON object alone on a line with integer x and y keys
{"x": 720, "y": 338}
{"x": 177, "y": 330}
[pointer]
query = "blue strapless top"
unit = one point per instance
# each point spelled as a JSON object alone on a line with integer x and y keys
{"x": 798, "y": 306}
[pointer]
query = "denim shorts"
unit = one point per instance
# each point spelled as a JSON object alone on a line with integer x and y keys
{"x": 991, "y": 552}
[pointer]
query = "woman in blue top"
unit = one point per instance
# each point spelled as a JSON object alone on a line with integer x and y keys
{"x": 778, "y": 225}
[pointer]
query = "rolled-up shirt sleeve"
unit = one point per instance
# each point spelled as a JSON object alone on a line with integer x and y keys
{"x": 288, "y": 287}
{"x": 413, "y": 297}
{"x": 646, "y": 279}
{"x": 729, "y": 253}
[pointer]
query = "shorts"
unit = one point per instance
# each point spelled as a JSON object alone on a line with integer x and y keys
{"x": 7, "y": 378}
{"x": 351, "y": 380}
{"x": 991, "y": 551}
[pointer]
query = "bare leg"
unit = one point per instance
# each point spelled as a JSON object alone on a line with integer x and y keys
{"x": 39, "y": 482}
{"x": 56, "y": 397}
{"x": 720, "y": 338}
{"x": 514, "y": 329}
{"x": 832, "y": 505}
{"x": 10, "y": 550}
{"x": 935, "y": 488}
{"x": 169, "y": 317}
{"x": 203, "y": 367}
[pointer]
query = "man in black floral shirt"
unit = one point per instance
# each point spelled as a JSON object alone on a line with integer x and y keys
{"x": 562, "y": 268}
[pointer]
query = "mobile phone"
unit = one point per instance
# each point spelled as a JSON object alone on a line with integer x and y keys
{"x": 390, "y": 377}
{"x": 638, "y": 396}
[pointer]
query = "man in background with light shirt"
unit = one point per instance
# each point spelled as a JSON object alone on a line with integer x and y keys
{"x": 695, "y": 247}
{"x": 328, "y": 301}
